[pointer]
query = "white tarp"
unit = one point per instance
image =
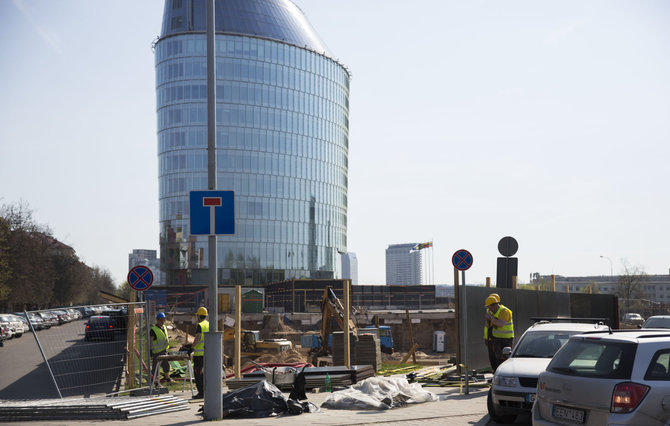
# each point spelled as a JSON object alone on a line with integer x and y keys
{"x": 379, "y": 393}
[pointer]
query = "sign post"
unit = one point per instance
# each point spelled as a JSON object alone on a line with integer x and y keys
{"x": 213, "y": 213}
{"x": 139, "y": 279}
{"x": 462, "y": 261}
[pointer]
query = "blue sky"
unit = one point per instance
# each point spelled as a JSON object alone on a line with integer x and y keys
{"x": 469, "y": 121}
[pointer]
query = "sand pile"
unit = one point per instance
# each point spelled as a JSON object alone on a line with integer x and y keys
{"x": 282, "y": 358}
{"x": 274, "y": 327}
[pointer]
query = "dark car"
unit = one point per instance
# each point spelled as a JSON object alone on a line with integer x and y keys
{"x": 86, "y": 311}
{"x": 99, "y": 327}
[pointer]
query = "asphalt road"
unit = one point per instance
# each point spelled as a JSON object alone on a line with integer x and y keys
{"x": 81, "y": 368}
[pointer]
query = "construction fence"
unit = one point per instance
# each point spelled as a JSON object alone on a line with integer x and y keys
{"x": 103, "y": 352}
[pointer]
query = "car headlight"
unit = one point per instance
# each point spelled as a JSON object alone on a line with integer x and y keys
{"x": 505, "y": 381}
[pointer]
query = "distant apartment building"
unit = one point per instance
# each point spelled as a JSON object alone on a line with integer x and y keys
{"x": 404, "y": 265}
{"x": 655, "y": 288}
{"x": 350, "y": 267}
{"x": 143, "y": 257}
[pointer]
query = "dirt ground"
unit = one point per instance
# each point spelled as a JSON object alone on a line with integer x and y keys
{"x": 274, "y": 328}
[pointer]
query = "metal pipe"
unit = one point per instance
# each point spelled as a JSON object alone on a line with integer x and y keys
{"x": 42, "y": 352}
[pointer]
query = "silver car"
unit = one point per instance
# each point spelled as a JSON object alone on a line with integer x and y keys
{"x": 514, "y": 382}
{"x": 618, "y": 377}
{"x": 657, "y": 321}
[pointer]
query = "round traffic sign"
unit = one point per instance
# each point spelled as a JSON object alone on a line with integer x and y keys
{"x": 507, "y": 246}
{"x": 140, "y": 278}
{"x": 462, "y": 260}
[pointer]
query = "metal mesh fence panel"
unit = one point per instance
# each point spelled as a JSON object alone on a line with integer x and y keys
{"x": 88, "y": 355}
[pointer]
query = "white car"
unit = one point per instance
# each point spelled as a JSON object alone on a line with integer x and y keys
{"x": 15, "y": 324}
{"x": 619, "y": 377}
{"x": 515, "y": 380}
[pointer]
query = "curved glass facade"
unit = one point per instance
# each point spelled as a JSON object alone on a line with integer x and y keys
{"x": 282, "y": 146}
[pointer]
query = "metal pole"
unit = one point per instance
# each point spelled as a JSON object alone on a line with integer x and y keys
{"x": 347, "y": 342}
{"x": 465, "y": 335}
{"x": 213, "y": 409}
{"x": 139, "y": 294}
{"x": 147, "y": 327}
{"x": 42, "y": 352}
{"x": 238, "y": 331}
{"x": 457, "y": 306}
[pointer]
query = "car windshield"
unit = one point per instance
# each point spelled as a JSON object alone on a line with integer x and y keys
{"x": 542, "y": 344}
{"x": 657, "y": 323}
{"x": 593, "y": 357}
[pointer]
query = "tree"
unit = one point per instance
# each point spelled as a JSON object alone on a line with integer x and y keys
{"x": 629, "y": 284}
{"x": 27, "y": 258}
{"x": 123, "y": 290}
{"x": 5, "y": 272}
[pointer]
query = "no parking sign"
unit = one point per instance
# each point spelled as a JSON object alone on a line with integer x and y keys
{"x": 140, "y": 278}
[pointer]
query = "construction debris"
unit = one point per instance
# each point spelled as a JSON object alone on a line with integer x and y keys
{"x": 315, "y": 377}
{"x": 89, "y": 408}
{"x": 379, "y": 393}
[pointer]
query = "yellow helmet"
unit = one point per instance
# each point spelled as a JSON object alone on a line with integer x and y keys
{"x": 493, "y": 298}
{"x": 201, "y": 311}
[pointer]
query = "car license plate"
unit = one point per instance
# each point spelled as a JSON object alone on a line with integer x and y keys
{"x": 530, "y": 397}
{"x": 568, "y": 414}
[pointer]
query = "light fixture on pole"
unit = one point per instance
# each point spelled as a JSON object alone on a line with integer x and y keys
{"x": 605, "y": 257}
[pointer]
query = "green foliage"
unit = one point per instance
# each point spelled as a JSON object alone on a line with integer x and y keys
{"x": 38, "y": 271}
{"x": 123, "y": 290}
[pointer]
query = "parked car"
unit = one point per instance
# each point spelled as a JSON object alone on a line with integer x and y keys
{"x": 618, "y": 377}
{"x": 73, "y": 313}
{"x": 515, "y": 380}
{"x": 49, "y": 318}
{"x": 62, "y": 316}
{"x": 5, "y": 331}
{"x": 24, "y": 327}
{"x": 14, "y": 324}
{"x": 657, "y": 321}
{"x": 85, "y": 311}
{"x": 633, "y": 318}
{"x": 99, "y": 327}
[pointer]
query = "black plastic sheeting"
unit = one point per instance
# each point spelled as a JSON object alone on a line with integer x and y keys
{"x": 262, "y": 399}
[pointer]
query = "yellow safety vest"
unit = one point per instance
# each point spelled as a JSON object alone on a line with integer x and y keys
{"x": 161, "y": 341}
{"x": 507, "y": 331}
{"x": 199, "y": 349}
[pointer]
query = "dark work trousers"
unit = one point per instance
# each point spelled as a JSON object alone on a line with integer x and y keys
{"x": 165, "y": 366}
{"x": 492, "y": 355}
{"x": 498, "y": 345}
{"x": 198, "y": 364}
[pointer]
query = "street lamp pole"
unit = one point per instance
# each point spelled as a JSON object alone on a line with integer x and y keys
{"x": 605, "y": 257}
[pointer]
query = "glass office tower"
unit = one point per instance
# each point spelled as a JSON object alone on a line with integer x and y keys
{"x": 282, "y": 142}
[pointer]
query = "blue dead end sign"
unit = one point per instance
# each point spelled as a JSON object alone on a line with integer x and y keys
{"x": 212, "y": 212}
{"x": 140, "y": 278}
{"x": 462, "y": 260}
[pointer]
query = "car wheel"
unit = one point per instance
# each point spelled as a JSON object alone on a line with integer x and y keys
{"x": 509, "y": 418}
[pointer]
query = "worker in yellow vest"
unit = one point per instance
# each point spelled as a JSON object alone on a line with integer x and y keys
{"x": 502, "y": 328}
{"x": 487, "y": 332}
{"x": 160, "y": 345}
{"x": 199, "y": 351}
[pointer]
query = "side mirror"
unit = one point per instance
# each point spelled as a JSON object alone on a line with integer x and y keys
{"x": 506, "y": 351}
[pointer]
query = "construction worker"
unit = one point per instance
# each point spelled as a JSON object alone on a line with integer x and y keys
{"x": 487, "y": 333}
{"x": 160, "y": 345}
{"x": 199, "y": 351}
{"x": 502, "y": 328}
